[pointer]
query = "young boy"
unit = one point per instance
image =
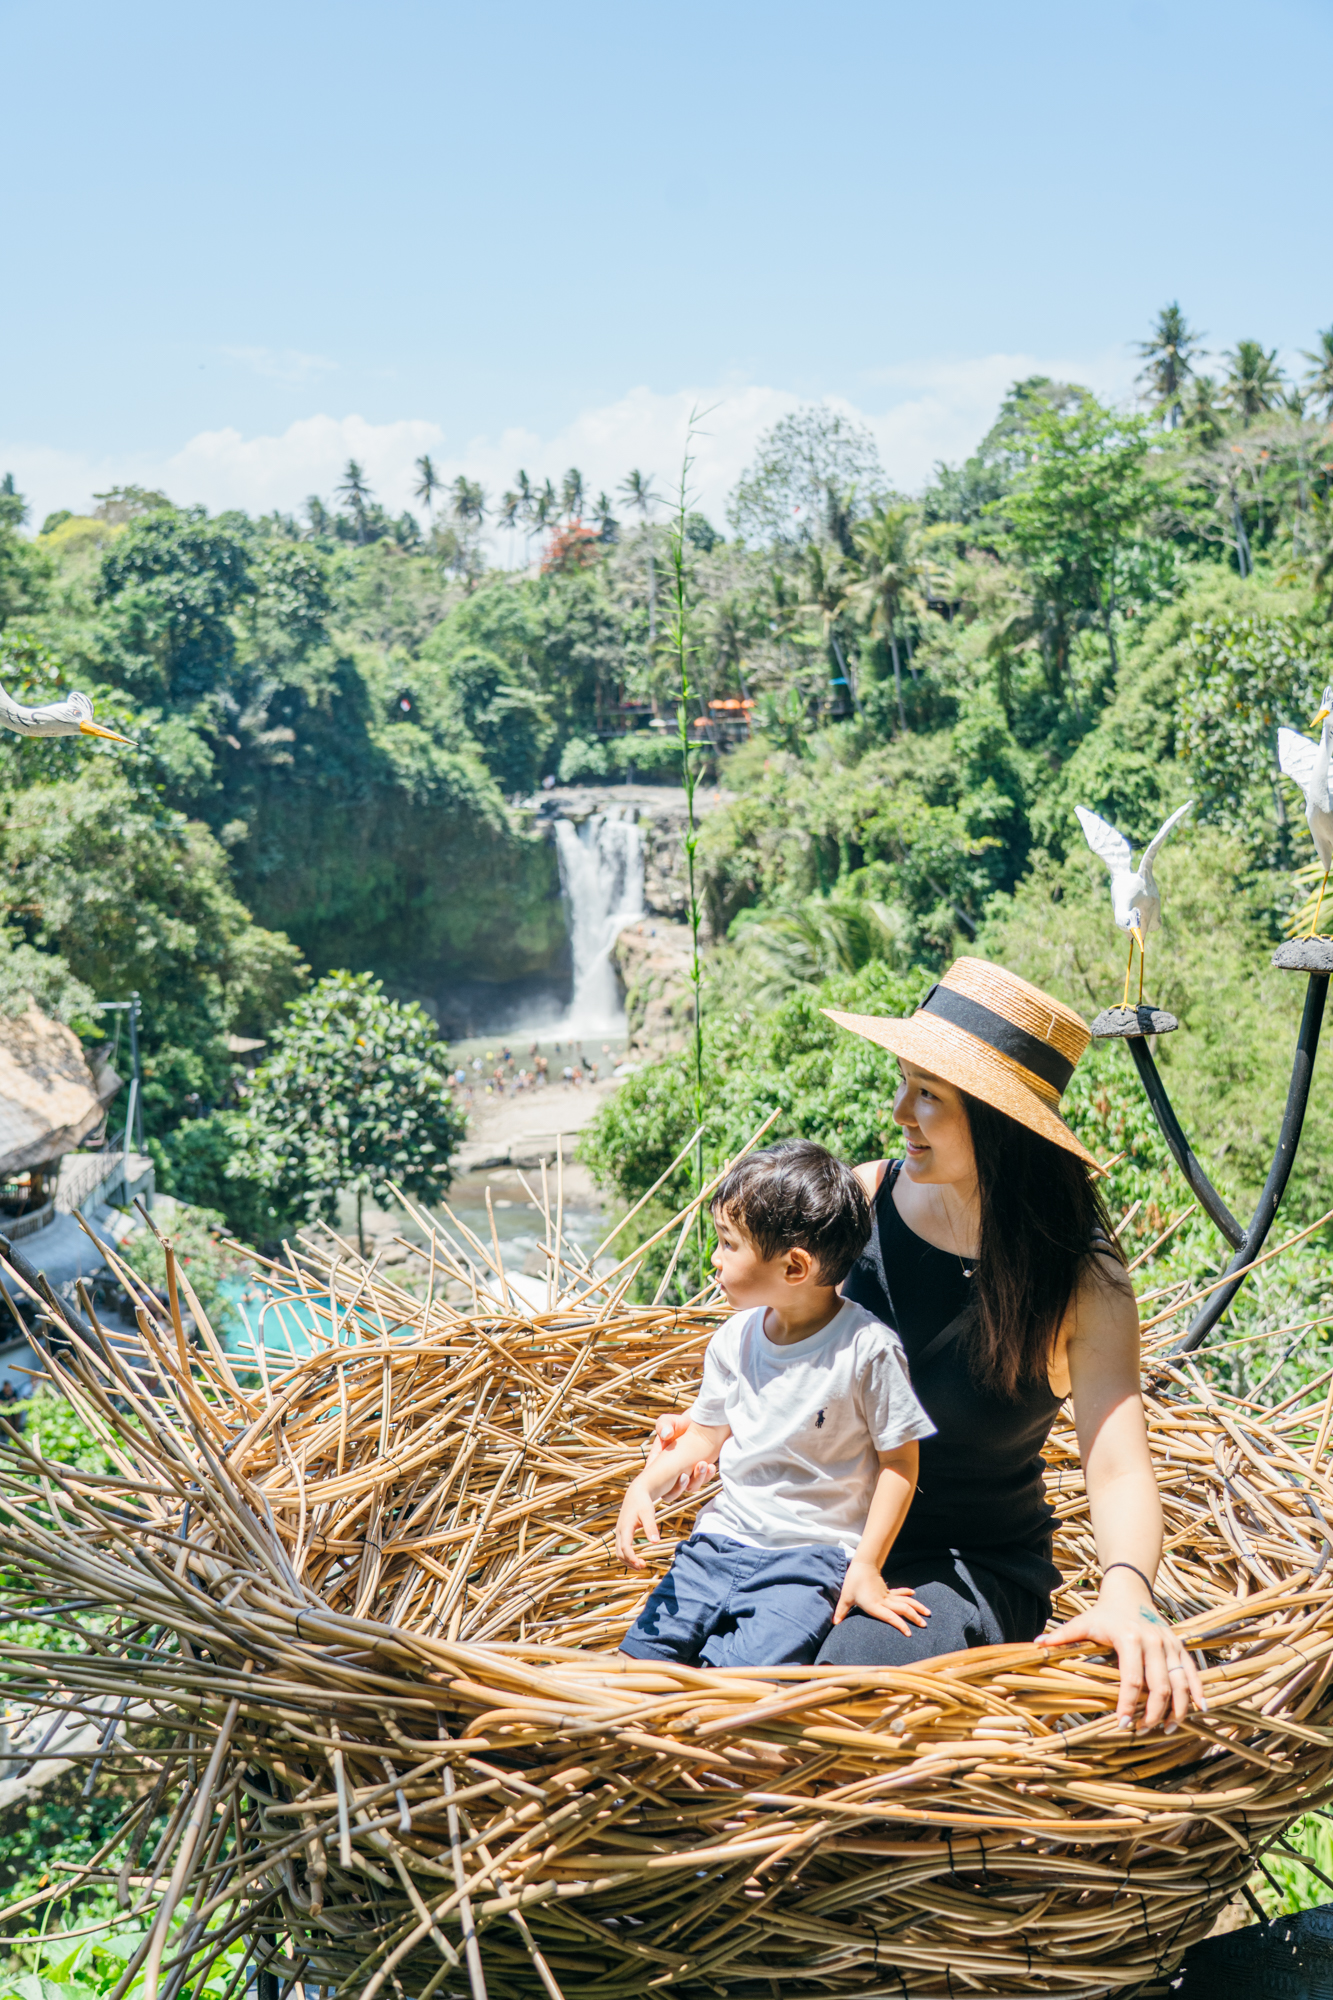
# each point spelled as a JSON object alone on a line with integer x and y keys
{"x": 807, "y": 1409}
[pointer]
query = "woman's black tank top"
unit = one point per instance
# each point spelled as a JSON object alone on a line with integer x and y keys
{"x": 980, "y": 1490}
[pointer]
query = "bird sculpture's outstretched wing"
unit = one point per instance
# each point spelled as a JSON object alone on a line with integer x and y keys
{"x": 1163, "y": 830}
{"x": 1296, "y": 755}
{"x": 1110, "y": 846}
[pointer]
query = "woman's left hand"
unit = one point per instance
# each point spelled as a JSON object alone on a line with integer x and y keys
{"x": 1154, "y": 1663}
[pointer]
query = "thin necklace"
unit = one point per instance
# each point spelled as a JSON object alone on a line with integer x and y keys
{"x": 963, "y": 1265}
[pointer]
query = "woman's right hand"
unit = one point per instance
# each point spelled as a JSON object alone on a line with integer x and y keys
{"x": 665, "y": 1433}
{"x": 636, "y": 1513}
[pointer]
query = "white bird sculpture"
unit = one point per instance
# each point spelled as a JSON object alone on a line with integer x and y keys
{"x": 1308, "y": 764}
{"x": 1135, "y": 897}
{"x": 71, "y": 717}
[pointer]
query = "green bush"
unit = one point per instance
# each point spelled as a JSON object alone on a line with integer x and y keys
{"x": 193, "y": 1162}
{"x": 582, "y": 759}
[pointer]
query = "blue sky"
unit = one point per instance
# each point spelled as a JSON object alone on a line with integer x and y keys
{"x": 243, "y": 243}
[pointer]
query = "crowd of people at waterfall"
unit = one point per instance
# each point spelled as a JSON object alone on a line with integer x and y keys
{"x": 499, "y": 1073}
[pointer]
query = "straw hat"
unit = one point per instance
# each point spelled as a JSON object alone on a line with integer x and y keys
{"x": 988, "y": 1032}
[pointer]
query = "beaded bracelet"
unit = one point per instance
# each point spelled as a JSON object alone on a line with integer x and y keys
{"x": 1134, "y": 1572}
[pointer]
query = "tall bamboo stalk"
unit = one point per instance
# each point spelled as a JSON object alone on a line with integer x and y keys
{"x": 680, "y": 642}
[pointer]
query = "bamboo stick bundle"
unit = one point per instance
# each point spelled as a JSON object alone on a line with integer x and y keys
{"x": 354, "y": 1598}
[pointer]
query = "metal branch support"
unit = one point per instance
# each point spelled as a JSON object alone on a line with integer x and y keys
{"x": 1246, "y": 1242}
{"x": 1181, "y": 1151}
{"x": 1298, "y": 1096}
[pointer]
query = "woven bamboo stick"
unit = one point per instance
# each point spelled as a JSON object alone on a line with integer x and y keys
{"x": 366, "y": 1600}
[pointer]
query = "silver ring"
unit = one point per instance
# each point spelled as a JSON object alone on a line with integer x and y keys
{"x": 1174, "y": 1670}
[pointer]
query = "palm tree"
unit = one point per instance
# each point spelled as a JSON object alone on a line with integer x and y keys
{"x": 885, "y": 545}
{"x": 1254, "y": 382}
{"x": 545, "y": 508}
{"x": 640, "y": 495}
{"x": 357, "y": 494}
{"x": 524, "y": 510}
{"x": 1168, "y": 356}
{"x": 468, "y": 508}
{"x": 824, "y": 581}
{"x": 1319, "y": 378}
{"x": 797, "y": 944}
{"x": 429, "y": 483}
{"x": 1203, "y": 419}
{"x": 729, "y": 623}
{"x": 571, "y": 494}
{"x": 508, "y": 514}
{"x": 607, "y": 524}
{"x": 469, "y": 502}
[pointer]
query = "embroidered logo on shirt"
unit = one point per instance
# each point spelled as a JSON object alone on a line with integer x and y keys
{"x": 819, "y": 1421}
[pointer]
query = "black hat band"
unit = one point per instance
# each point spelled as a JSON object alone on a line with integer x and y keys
{"x": 1004, "y": 1036}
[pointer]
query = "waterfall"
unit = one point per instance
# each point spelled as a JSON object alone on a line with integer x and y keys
{"x": 601, "y": 875}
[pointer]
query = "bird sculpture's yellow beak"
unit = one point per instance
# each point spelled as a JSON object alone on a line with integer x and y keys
{"x": 1320, "y": 717}
{"x": 109, "y": 735}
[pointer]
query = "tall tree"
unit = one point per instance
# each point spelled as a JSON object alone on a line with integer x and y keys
{"x": 545, "y": 508}
{"x": 572, "y": 494}
{"x": 508, "y": 515}
{"x": 469, "y": 501}
{"x": 428, "y": 485}
{"x": 888, "y": 566}
{"x": 23, "y": 568}
{"x": 809, "y": 459}
{"x": 882, "y": 576}
{"x": 1253, "y": 382}
{"x": 641, "y": 496}
{"x": 1071, "y": 519}
{"x": 825, "y": 579}
{"x": 1203, "y": 411}
{"x": 468, "y": 508}
{"x": 525, "y": 511}
{"x": 1319, "y": 375}
{"x": 355, "y": 490}
{"x": 607, "y": 524}
{"x": 381, "y": 1064}
{"x": 1168, "y": 356}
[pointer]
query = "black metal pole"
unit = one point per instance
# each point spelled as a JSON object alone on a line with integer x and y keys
{"x": 1298, "y": 1096}
{"x": 1181, "y": 1151}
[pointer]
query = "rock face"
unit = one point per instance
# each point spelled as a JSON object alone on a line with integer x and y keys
{"x": 653, "y": 959}
{"x": 661, "y": 813}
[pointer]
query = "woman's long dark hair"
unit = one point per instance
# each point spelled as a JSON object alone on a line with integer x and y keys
{"x": 1042, "y": 1221}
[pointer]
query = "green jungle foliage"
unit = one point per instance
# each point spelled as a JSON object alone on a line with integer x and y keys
{"x": 1097, "y": 609}
{"x": 333, "y": 718}
{"x": 336, "y": 719}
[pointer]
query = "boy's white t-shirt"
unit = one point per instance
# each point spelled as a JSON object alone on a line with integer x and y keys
{"x": 807, "y": 1419}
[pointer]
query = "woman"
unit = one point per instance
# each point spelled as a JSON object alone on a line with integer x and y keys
{"x": 992, "y": 1255}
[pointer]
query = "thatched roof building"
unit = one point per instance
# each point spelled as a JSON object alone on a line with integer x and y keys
{"x": 49, "y": 1098}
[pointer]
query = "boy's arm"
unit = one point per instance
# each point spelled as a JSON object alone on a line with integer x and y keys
{"x": 637, "y": 1511}
{"x": 863, "y": 1586}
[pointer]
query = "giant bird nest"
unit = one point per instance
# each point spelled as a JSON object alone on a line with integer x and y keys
{"x": 357, "y": 1609}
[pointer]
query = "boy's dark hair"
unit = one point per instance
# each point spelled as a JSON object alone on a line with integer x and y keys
{"x": 798, "y": 1197}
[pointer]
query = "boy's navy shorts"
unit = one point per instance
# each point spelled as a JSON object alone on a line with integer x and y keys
{"x": 724, "y": 1604}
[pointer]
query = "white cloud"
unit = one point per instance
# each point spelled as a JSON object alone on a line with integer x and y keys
{"x": 224, "y": 469}
{"x": 918, "y": 414}
{"x": 281, "y": 364}
{"x": 945, "y": 408}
